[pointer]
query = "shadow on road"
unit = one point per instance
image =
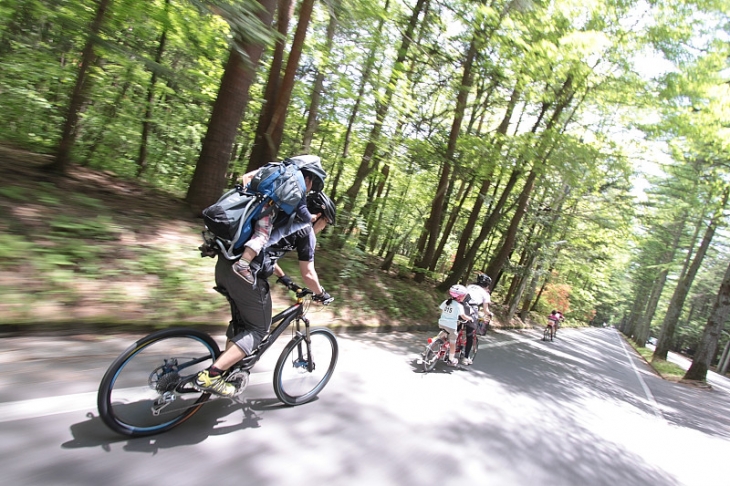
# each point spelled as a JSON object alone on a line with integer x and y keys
{"x": 207, "y": 422}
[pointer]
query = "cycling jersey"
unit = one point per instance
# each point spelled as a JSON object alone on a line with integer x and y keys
{"x": 450, "y": 312}
{"x": 478, "y": 295}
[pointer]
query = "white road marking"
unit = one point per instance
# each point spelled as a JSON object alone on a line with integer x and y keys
{"x": 77, "y": 402}
{"x": 649, "y": 396}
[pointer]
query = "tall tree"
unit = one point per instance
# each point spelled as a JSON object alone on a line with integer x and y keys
{"x": 669, "y": 324}
{"x": 147, "y": 122}
{"x": 435, "y": 217}
{"x": 269, "y": 149}
{"x": 209, "y": 176}
{"x": 707, "y": 349}
{"x": 311, "y": 126}
{"x": 381, "y": 111}
{"x": 80, "y": 92}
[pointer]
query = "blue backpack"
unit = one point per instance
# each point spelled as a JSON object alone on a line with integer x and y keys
{"x": 230, "y": 219}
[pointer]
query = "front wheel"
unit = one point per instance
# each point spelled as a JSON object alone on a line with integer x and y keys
{"x": 431, "y": 354}
{"x": 303, "y": 370}
{"x": 146, "y": 389}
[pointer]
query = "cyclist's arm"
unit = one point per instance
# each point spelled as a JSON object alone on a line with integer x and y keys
{"x": 278, "y": 271}
{"x": 309, "y": 274}
{"x": 487, "y": 312}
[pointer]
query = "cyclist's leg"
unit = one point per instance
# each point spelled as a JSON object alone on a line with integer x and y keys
{"x": 469, "y": 333}
{"x": 253, "y": 321}
{"x": 453, "y": 336}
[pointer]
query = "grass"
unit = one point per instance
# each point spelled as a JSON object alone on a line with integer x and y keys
{"x": 667, "y": 370}
{"x": 91, "y": 249}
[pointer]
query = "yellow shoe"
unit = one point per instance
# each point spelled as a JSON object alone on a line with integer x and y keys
{"x": 214, "y": 384}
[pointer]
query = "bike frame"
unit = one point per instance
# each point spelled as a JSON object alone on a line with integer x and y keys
{"x": 284, "y": 319}
{"x": 460, "y": 342}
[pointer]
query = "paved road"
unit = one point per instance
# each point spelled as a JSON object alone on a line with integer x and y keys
{"x": 583, "y": 410}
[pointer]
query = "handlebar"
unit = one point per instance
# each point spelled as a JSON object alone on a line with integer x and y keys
{"x": 302, "y": 292}
{"x": 324, "y": 298}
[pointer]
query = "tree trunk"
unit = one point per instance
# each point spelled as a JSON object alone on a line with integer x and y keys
{"x": 80, "y": 93}
{"x": 671, "y": 318}
{"x": 147, "y": 122}
{"x": 438, "y": 201}
{"x": 210, "y": 172}
{"x": 464, "y": 258}
{"x": 463, "y": 193}
{"x": 707, "y": 349}
{"x": 468, "y": 232}
{"x": 381, "y": 111}
{"x": 460, "y": 266}
{"x": 258, "y": 155}
{"x": 643, "y": 326}
{"x": 311, "y": 125}
{"x": 495, "y": 266}
{"x": 275, "y": 130}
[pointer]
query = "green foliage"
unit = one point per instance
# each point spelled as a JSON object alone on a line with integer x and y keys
{"x": 582, "y": 225}
{"x": 13, "y": 192}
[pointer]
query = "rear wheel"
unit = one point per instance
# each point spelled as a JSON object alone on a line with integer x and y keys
{"x": 431, "y": 354}
{"x": 147, "y": 390}
{"x": 548, "y": 334}
{"x": 303, "y": 370}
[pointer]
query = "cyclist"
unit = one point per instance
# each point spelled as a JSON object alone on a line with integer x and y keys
{"x": 253, "y": 302}
{"x": 554, "y": 321}
{"x": 478, "y": 297}
{"x": 452, "y": 310}
{"x": 314, "y": 176}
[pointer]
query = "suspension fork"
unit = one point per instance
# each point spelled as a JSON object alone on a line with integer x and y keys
{"x": 308, "y": 340}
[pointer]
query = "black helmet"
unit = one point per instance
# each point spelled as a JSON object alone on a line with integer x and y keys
{"x": 483, "y": 280}
{"x": 319, "y": 203}
{"x": 311, "y": 166}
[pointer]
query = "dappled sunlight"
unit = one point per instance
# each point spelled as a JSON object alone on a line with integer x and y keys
{"x": 526, "y": 412}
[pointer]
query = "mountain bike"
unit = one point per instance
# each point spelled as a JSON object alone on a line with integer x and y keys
{"x": 149, "y": 389}
{"x": 437, "y": 348}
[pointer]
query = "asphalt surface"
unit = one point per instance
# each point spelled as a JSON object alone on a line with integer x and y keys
{"x": 582, "y": 410}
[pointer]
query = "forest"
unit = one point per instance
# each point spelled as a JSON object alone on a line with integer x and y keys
{"x": 576, "y": 152}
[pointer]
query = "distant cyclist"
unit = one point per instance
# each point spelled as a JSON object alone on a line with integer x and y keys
{"x": 478, "y": 297}
{"x": 554, "y": 321}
